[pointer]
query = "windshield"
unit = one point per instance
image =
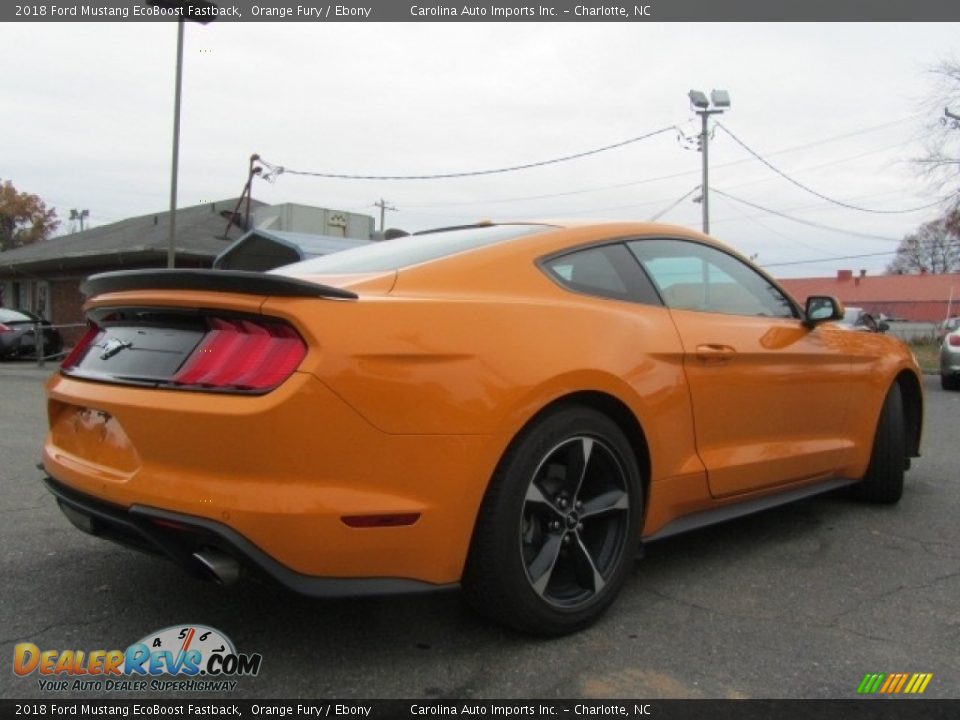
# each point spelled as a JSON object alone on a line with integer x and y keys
{"x": 410, "y": 250}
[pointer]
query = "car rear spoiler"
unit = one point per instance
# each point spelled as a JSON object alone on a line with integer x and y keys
{"x": 234, "y": 281}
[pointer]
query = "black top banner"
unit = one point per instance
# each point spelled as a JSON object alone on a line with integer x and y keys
{"x": 445, "y": 11}
{"x": 512, "y": 709}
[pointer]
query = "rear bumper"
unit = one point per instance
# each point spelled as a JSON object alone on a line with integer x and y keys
{"x": 285, "y": 471}
{"x": 950, "y": 363}
{"x": 181, "y": 537}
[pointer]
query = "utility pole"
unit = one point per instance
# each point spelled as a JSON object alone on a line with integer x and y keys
{"x": 196, "y": 11}
{"x": 702, "y": 107}
{"x": 175, "y": 162}
{"x": 79, "y": 215}
{"x": 382, "y": 204}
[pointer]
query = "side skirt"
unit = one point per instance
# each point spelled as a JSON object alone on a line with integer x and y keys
{"x": 747, "y": 507}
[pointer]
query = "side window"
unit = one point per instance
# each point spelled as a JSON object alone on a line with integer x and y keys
{"x": 608, "y": 271}
{"x": 692, "y": 276}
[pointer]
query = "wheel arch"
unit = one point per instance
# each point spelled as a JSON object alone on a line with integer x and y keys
{"x": 614, "y": 408}
{"x": 912, "y": 396}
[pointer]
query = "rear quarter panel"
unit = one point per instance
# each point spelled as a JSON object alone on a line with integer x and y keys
{"x": 458, "y": 364}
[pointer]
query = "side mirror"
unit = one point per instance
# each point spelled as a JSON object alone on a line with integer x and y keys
{"x": 821, "y": 309}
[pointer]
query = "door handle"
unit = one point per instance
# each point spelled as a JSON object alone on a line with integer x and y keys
{"x": 711, "y": 353}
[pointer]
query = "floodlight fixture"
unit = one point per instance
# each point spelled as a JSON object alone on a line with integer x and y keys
{"x": 720, "y": 98}
{"x": 698, "y": 99}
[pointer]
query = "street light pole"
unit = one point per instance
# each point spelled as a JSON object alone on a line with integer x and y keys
{"x": 720, "y": 101}
{"x": 196, "y": 11}
{"x": 175, "y": 162}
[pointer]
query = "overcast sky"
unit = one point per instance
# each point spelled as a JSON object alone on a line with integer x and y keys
{"x": 87, "y": 121}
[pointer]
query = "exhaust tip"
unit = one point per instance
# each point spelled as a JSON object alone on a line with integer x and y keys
{"x": 224, "y": 569}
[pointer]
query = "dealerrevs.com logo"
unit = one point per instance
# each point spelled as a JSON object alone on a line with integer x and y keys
{"x": 197, "y": 656}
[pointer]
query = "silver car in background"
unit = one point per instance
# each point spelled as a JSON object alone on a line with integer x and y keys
{"x": 18, "y": 334}
{"x": 950, "y": 361}
{"x": 947, "y": 327}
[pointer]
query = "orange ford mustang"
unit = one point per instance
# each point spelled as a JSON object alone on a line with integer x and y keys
{"x": 513, "y": 408}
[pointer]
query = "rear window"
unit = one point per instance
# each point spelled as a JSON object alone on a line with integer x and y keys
{"x": 607, "y": 271}
{"x": 13, "y": 316}
{"x": 410, "y": 250}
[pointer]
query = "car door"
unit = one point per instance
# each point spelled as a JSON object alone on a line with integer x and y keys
{"x": 770, "y": 397}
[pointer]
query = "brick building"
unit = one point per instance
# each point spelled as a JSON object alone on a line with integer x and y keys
{"x": 917, "y": 298}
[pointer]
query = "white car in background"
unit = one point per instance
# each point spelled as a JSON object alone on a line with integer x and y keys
{"x": 950, "y": 361}
{"x": 856, "y": 318}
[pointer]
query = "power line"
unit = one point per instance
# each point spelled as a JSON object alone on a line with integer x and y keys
{"x": 810, "y": 223}
{"x": 814, "y": 192}
{"x": 829, "y": 163}
{"x": 566, "y": 193}
{"x": 769, "y": 229}
{"x": 830, "y": 259}
{"x": 815, "y": 206}
{"x": 676, "y": 202}
{"x": 279, "y": 169}
{"x": 671, "y": 176}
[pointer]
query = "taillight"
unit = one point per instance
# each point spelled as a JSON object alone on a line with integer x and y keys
{"x": 4, "y": 328}
{"x": 80, "y": 349}
{"x": 954, "y": 340}
{"x": 242, "y": 354}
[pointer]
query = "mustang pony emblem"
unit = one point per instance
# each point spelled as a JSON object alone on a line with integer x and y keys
{"x": 112, "y": 346}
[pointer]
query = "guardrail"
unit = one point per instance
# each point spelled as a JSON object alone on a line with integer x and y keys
{"x": 38, "y": 334}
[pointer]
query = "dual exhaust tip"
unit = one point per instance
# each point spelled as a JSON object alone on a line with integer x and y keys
{"x": 211, "y": 563}
{"x": 220, "y": 567}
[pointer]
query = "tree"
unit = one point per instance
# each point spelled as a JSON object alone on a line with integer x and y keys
{"x": 933, "y": 248}
{"x": 941, "y": 163}
{"x": 24, "y": 218}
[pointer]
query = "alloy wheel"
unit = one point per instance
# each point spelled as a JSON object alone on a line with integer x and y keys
{"x": 574, "y": 521}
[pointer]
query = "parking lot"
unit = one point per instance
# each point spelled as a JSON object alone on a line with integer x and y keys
{"x": 800, "y": 601}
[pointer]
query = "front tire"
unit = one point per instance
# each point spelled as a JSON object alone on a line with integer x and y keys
{"x": 883, "y": 482}
{"x": 559, "y": 526}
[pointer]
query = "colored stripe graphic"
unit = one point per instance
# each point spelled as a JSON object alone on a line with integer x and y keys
{"x": 870, "y": 683}
{"x": 894, "y": 683}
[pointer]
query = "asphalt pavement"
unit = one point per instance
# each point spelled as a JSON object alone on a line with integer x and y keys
{"x": 797, "y": 602}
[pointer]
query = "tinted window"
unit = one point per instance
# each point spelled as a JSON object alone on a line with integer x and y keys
{"x": 607, "y": 270}
{"x": 411, "y": 250}
{"x": 692, "y": 276}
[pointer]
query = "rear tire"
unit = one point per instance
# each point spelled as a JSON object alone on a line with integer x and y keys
{"x": 558, "y": 529}
{"x": 950, "y": 382}
{"x": 883, "y": 482}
